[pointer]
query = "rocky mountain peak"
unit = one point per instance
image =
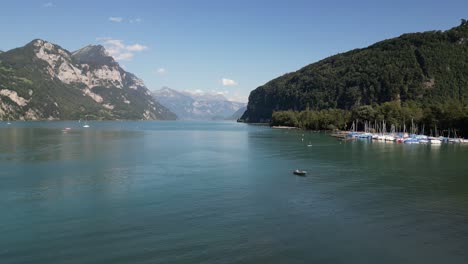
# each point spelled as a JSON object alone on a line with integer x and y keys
{"x": 39, "y": 43}
{"x": 48, "y": 51}
{"x": 94, "y": 55}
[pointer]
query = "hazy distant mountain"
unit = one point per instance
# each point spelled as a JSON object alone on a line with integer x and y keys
{"x": 238, "y": 114}
{"x": 44, "y": 81}
{"x": 197, "y": 106}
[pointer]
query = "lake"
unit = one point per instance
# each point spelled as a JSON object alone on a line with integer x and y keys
{"x": 223, "y": 192}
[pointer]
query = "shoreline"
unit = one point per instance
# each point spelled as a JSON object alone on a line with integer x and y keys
{"x": 284, "y": 127}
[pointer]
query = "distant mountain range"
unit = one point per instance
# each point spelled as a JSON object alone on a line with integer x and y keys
{"x": 197, "y": 106}
{"x": 44, "y": 81}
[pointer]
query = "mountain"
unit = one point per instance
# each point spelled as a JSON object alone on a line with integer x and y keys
{"x": 196, "y": 106}
{"x": 238, "y": 114}
{"x": 426, "y": 69}
{"x": 44, "y": 81}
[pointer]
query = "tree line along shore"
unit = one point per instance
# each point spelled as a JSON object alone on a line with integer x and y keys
{"x": 434, "y": 119}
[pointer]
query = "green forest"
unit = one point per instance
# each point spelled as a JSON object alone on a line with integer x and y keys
{"x": 435, "y": 119}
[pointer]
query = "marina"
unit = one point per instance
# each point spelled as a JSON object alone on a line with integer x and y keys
{"x": 403, "y": 137}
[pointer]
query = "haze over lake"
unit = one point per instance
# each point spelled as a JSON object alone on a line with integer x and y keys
{"x": 223, "y": 192}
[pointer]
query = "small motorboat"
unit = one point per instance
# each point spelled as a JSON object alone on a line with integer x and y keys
{"x": 300, "y": 172}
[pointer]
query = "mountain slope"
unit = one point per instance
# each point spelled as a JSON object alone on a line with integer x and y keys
{"x": 238, "y": 114}
{"x": 196, "y": 106}
{"x": 424, "y": 67}
{"x": 44, "y": 81}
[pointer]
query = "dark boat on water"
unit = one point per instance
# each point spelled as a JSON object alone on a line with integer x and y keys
{"x": 299, "y": 172}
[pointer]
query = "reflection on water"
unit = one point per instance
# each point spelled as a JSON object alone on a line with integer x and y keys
{"x": 50, "y": 163}
{"x": 42, "y": 144}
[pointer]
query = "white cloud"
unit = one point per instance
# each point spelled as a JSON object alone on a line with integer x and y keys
{"x": 119, "y": 51}
{"x": 117, "y": 43}
{"x": 136, "y": 20}
{"x": 136, "y": 47}
{"x": 48, "y": 4}
{"x": 129, "y": 20}
{"x": 126, "y": 56}
{"x": 116, "y": 19}
{"x": 161, "y": 71}
{"x": 228, "y": 82}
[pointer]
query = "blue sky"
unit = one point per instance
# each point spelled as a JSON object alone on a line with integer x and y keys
{"x": 194, "y": 45}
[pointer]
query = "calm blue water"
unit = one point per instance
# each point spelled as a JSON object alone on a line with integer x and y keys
{"x": 192, "y": 192}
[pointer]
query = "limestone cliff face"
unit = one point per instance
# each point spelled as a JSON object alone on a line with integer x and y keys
{"x": 44, "y": 81}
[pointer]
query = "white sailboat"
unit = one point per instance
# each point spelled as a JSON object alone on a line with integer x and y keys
{"x": 391, "y": 136}
{"x": 383, "y": 131}
{"x": 86, "y": 122}
{"x": 435, "y": 140}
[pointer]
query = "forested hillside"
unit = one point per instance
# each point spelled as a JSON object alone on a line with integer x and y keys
{"x": 423, "y": 76}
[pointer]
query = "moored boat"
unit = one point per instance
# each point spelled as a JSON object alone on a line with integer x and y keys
{"x": 411, "y": 141}
{"x": 365, "y": 135}
{"x": 300, "y": 172}
{"x": 455, "y": 140}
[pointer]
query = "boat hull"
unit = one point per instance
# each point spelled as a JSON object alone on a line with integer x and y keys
{"x": 300, "y": 173}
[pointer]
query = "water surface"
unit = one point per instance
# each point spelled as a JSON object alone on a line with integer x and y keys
{"x": 222, "y": 192}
